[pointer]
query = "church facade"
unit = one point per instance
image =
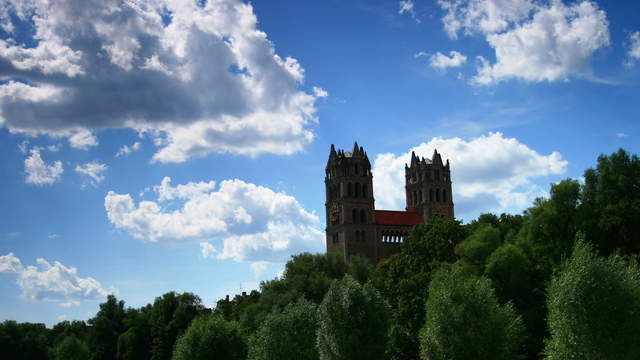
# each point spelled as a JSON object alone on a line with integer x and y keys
{"x": 355, "y": 227}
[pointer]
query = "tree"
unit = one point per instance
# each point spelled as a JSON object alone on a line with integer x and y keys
{"x": 169, "y": 317}
{"x": 211, "y": 337}
{"x": 594, "y": 308}
{"x": 610, "y": 206}
{"x": 106, "y": 327}
{"x": 71, "y": 348}
{"x": 23, "y": 340}
{"x": 287, "y": 335}
{"x": 353, "y": 322}
{"x": 404, "y": 280}
{"x": 479, "y": 245}
{"x": 466, "y": 321}
{"x": 360, "y": 268}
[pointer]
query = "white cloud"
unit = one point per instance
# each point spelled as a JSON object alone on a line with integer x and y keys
{"x": 442, "y": 62}
{"x": 408, "y": 7}
{"x": 38, "y": 172}
{"x": 52, "y": 236}
{"x": 82, "y": 140}
{"x": 320, "y": 92}
{"x": 634, "y": 48}
{"x": 558, "y": 39}
{"x": 207, "y": 250}
{"x": 47, "y": 282}
{"x": 198, "y": 77}
{"x": 254, "y": 223}
{"x": 126, "y": 149}
{"x": 622, "y": 135}
{"x": 258, "y": 267}
{"x": 489, "y": 173}
{"x": 93, "y": 170}
{"x": 483, "y": 16}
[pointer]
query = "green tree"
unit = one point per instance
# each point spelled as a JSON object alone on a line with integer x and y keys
{"x": 169, "y": 317}
{"x": 23, "y": 340}
{"x": 404, "y": 280}
{"x": 71, "y": 348}
{"x": 106, "y": 327}
{"x": 287, "y": 335}
{"x": 353, "y": 322}
{"x": 594, "y": 308}
{"x": 211, "y": 337}
{"x": 610, "y": 206}
{"x": 360, "y": 269}
{"x": 479, "y": 245}
{"x": 466, "y": 321}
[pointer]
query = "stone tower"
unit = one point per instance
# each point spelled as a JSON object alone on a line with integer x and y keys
{"x": 350, "y": 204}
{"x": 428, "y": 187}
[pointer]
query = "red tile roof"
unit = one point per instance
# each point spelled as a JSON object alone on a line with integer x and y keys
{"x": 388, "y": 217}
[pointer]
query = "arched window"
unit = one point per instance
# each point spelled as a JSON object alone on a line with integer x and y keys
{"x": 363, "y": 217}
{"x": 437, "y": 195}
{"x": 444, "y": 196}
{"x": 431, "y": 195}
{"x": 358, "y": 190}
{"x": 349, "y": 189}
{"x": 354, "y": 216}
{"x": 364, "y": 190}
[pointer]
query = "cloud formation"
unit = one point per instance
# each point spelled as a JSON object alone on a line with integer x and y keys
{"x": 558, "y": 39}
{"x": 406, "y": 6}
{"x": 93, "y": 170}
{"x": 40, "y": 173}
{"x": 634, "y": 48}
{"x": 51, "y": 282}
{"x": 252, "y": 222}
{"x": 126, "y": 149}
{"x": 198, "y": 77}
{"x": 489, "y": 173}
{"x": 442, "y": 62}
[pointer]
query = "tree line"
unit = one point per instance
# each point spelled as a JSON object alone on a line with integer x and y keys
{"x": 560, "y": 281}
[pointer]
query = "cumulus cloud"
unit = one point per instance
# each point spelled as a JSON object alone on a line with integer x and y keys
{"x": 51, "y": 282}
{"x": 198, "y": 77}
{"x": 93, "y": 170}
{"x": 489, "y": 173}
{"x": 634, "y": 48}
{"x": 40, "y": 173}
{"x": 442, "y": 62}
{"x": 259, "y": 267}
{"x": 126, "y": 149}
{"x": 82, "y": 140}
{"x": 558, "y": 39}
{"x": 252, "y": 223}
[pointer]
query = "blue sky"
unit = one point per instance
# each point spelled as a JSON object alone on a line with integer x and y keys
{"x": 176, "y": 145}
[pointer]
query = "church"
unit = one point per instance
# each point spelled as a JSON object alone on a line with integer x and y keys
{"x": 355, "y": 227}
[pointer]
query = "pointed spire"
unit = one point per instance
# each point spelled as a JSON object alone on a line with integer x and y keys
{"x": 414, "y": 159}
{"x": 356, "y": 150}
{"x": 437, "y": 159}
{"x": 332, "y": 153}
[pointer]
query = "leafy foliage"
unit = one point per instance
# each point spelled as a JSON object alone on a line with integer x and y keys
{"x": 71, "y": 348}
{"x": 466, "y": 321}
{"x": 211, "y": 337}
{"x": 287, "y": 335}
{"x": 594, "y": 308}
{"x": 353, "y": 322}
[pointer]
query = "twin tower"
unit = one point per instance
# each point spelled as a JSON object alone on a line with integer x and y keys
{"x": 355, "y": 227}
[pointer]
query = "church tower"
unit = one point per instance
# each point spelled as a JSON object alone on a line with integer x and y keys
{"x": 350, "y": 204}
{"x": 428, "y": 187}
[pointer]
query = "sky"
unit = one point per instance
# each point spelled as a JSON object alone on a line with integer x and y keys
{"x": 149, "y": 146}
